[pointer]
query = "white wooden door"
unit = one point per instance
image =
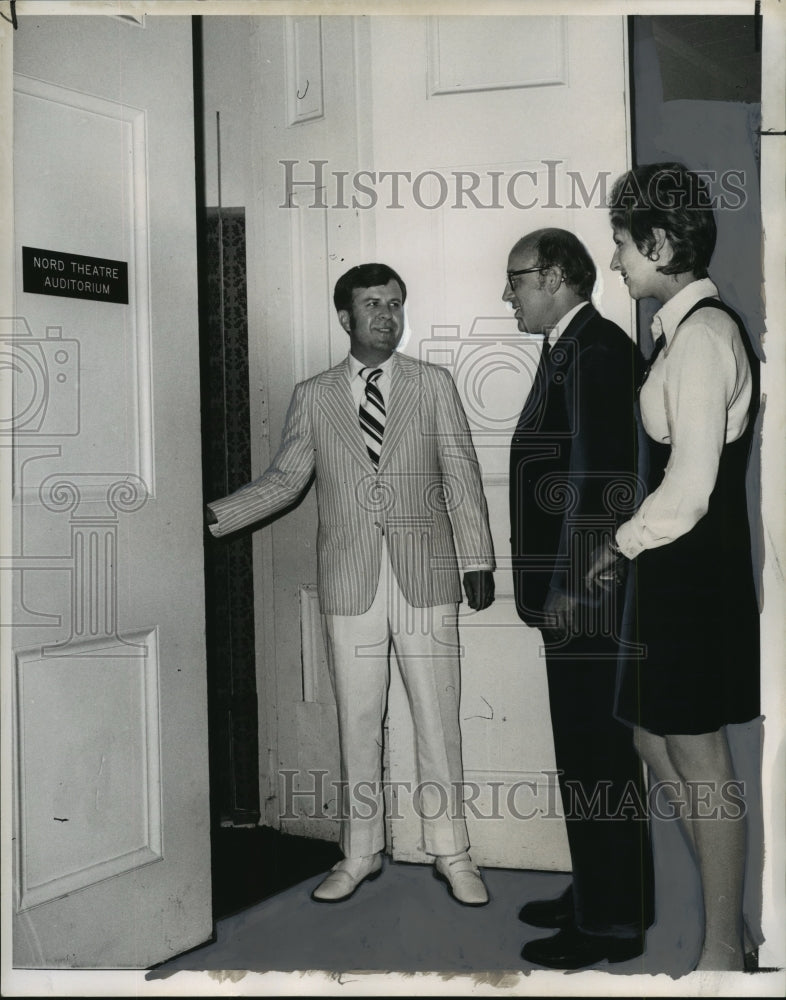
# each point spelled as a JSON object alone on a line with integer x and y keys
{"x": 431, "y": 144}
{"x": 111, "y": 817}
{"x": 503, "y": 125}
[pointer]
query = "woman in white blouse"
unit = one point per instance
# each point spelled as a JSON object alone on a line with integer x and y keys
{"x": 695, "y": 614}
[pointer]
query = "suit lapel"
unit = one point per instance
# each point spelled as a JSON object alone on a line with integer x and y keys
{"x": 336, "y": 403}
{"x": 566, "y": 350}
{"x": 402, "y": 407}
{"x": 532, "y": 411}
{"x": 561, "y": 355}
{"x": 585, "y": 315}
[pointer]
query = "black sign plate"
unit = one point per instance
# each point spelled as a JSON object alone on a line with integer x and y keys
{"x": 51, "y": 272}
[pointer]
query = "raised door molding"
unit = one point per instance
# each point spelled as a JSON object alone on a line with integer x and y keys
{"x": 527, "y": 52}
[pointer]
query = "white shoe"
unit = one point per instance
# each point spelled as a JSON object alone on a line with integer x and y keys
{"x": 463, "y": 879}
{"x": 346, "y": 876}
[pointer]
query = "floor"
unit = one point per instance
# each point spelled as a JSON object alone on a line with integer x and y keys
{"x": 406, "y": 922}
{"x": 403, "y": 930}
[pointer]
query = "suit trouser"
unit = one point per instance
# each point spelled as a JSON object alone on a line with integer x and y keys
{"x": 602, "y": 788}
{"x": 425, "y": 641}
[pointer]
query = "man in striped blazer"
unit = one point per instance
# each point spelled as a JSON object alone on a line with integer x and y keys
{"x": 401, "y": 510}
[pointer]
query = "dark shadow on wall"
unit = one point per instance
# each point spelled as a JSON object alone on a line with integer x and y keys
{"x": 682, "y": 111}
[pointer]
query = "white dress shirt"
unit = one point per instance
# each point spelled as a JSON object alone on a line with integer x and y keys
{"x": 553, "y": 334}
{"x": 358, "y": 383}
{"x": 696, "y": 399}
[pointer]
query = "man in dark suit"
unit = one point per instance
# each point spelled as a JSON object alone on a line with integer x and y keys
{"x": 401, "y": 513}
{"x": 572, "y": 477}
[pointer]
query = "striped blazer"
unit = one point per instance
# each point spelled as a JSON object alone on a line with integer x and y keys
{"x": 426, "y": 498}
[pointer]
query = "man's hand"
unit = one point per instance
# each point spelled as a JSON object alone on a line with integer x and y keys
{"x": 563, "y": 612}
{"x": 210, "y": 517}
{"x": 604, "y": 570}
{"x": 479, "y": 588}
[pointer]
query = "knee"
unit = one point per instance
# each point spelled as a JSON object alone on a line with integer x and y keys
{"x": 705, "y": 755}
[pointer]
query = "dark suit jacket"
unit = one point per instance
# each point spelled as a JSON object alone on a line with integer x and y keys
{"x": 573, "y": 462}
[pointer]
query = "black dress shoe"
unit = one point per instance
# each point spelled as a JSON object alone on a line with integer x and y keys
{"x": 549, "y": 912}
{"x": 570, "y": 948}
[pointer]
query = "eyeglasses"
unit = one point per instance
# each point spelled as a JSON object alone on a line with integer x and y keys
{"x": 524, "y": 270}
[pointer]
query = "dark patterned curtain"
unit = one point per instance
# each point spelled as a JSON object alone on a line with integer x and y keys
{"x": 229, "y": 585}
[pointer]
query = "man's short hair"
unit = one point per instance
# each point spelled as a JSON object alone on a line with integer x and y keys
{"x": 363, "y": 276}
{"x": 560, "y": 248}
{"x": 670, "y": 197}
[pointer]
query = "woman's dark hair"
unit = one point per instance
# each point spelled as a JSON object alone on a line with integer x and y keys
{"x": 364, "y": 276}
{"x": 670, "y": 197}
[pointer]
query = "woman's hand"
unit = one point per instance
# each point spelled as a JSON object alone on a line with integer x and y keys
{"x": 604, "y": 569}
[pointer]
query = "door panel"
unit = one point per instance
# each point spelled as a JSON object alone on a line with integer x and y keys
{"x": 429, "y": 153}
{"x": 494, "y": 150}
{"x": 112, "y": 858}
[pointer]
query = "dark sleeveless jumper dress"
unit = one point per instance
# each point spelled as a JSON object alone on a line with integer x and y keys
{"x": 694, "y": 608}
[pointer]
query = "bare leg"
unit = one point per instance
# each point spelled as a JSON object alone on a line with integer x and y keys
{"x": 704, "y": 763}
{"x": 670, "y": 791}
{"x": 674, "y": 796}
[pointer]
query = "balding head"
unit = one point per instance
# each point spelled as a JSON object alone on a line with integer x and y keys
{"x": 560, "y": 248}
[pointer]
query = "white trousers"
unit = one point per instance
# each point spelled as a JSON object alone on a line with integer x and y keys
{"x": 425, "y": 641}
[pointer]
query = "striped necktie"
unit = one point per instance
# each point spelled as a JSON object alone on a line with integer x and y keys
{"x": 372, "y": 413}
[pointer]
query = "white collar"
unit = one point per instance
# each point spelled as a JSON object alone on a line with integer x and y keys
{"x": 356, "y": 367}
{"x": 668, "y": 317}
{"x": 561, "y": 326}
